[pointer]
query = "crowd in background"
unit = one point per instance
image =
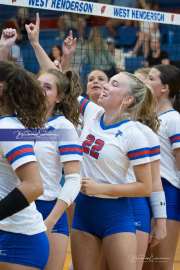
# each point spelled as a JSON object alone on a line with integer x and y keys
{"x": 107, "y": 44}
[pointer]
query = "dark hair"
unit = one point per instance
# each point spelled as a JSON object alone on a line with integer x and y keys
{"x": 51, "y": 53}
{"x": 22, "y": 95}
{"x": 69, "y": 88}
{"x": 170, "y": 75}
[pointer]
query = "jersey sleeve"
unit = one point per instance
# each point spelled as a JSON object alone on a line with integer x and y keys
{"x": 154, "y": 145}
{"x": 88, "y": 108}
{"x": 173, "y": 130}
{"x": 138, "y": 149}
{"x": 69, "y": 145}
{"x": 18, "y": 153}
{"x": 153, "y": 141}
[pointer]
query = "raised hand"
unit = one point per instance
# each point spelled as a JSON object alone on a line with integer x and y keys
{"x": 70, "y": 44}
{"x": 33, "y": 30}
{"x": 8, "y": 38}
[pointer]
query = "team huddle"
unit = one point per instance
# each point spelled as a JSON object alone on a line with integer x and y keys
{"x": 118, "y": 150}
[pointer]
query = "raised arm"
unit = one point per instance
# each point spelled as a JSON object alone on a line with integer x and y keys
{"x": 33, "y": 35}
{"x": 7, "y": 40}
{"x": 43, "y": 59}
{"x": 69, "y": 48}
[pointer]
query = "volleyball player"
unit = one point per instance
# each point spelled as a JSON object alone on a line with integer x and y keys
{"x": 22, "y": 237}
{"x": 95, "y": 81}
{"x": 61, "y": 91}
{"x": 165, "y": 82}
{"x": 141, "y": 208}
{"x": 109, "y": 140}
{"x": 145, "y": 209}
{"x": 8, "y": 38}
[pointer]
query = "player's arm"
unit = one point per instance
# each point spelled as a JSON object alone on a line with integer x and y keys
{"x": 31, "y": 184}
{"x": 69, "y": 48}
{"x": 33, "y": 35}
{"x": 174, "y": 138}
{"x": 30, "y": 187}
{"x": 141, "y": 188}
{"x": 177, "y": 158}
{"x": 7, "y": 40}
{"x": 158, "y": 206}
{"x": 68, "y": 192}
{"x": 43, "y": 59}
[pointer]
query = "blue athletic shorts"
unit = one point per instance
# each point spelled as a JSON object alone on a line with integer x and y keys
{"x": 45, "y": 207}
{"x": 142, "y": 214}
{"x": 27, "y": 250}
{"x": 103, "y": 217}
{"x": 172, "y": 194}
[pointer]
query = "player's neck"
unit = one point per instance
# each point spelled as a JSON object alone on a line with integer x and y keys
{"x": 164, "y": 105}
{"x": 114, "y": 118}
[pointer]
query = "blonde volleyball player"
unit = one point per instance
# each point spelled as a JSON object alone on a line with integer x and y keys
{"x": 111, "y": 142}
{"x": 157, "y": 204}
{"x": 157, "y": 199}
{"x": 141, "y": 206}
{"x": 22, "y": 104}
{"x": 165, "y": 82}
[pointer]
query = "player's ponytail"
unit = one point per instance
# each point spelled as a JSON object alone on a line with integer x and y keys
{"x": 143, "y": 109}
{"x": 69, "y": 88}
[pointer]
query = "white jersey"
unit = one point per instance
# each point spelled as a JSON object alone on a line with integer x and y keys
{"x": 14, "y": 154}
{"x": 110, "y": 150}
{"x": 53, "y": 153}
{"x": 154, "y": 150}
{"x": 169, "y": 135}
{"x": 86, "y": 111}
{"x": 88, "y": 108}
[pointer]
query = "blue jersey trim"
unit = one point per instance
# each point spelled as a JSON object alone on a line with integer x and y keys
{"x": 172, "y": 110}
{"x": 103, "y": 126}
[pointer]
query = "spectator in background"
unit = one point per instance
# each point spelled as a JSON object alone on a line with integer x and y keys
{"x": 149, "y": 32}
{"x": 97, "y": 55}
{"x": 156, "y": 56}
{"x": 70, "y": 21}
{"x": 56, "y": 55}
{"x": 117, "y": 54}
{"x": 111, "y": 24}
